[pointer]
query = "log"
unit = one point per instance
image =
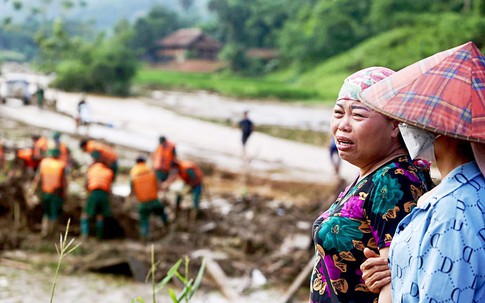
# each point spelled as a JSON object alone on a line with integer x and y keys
{"x": 302, "y": 277}
{"x": 221, "y": 279}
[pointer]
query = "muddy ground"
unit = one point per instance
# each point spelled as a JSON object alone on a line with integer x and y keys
{"x": 247, "y": 223}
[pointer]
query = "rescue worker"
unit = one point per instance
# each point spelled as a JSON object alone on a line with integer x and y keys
{"x": 53, "y": 179}
{"x": 192, "y": 177}
{"x": 108, "y": 154}
{"x": 39, "y": 148}
{"x": 98, "y": 185}
{"x": 144, "y": 186}
{"x": 163, "y": 157}
{"x": 65, "y": 153}
{"x": 25, "y": 163}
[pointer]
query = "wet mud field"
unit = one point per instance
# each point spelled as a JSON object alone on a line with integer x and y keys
{"x": 256, "y": 231}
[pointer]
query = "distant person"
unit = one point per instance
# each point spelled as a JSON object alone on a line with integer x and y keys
{"x": 192, "y": 176}
{"x": 247, "y": 127}
{"x": 162, "y": 158}
{"x": 98, "y": 185}
{"x": 52, "y": 176}
{"x": 83, "y": 113}
{"x": 144, "y": 186}
{"x": 334, "y": 156}
{"x": 40, "y": 96}
{"x": 107, "y": 153}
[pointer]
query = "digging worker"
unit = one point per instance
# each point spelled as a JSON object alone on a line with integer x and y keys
{"x": 25, "y": 162}
{"x": 144, "y": 186}
{"x": 163, "y": 157}
{"x": 108, "y": 154}
{"x": 192, "y": 176}
{"x": 39, "y": 148}
{"x": 52, "y": 176}
{"x": 65, "y": 153}
{"x": 98, "y": 185}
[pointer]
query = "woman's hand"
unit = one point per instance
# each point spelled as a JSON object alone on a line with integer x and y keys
{"x": 375, "y": 271}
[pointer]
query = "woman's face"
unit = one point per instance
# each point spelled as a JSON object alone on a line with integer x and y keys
{"x": 362, "y": 136}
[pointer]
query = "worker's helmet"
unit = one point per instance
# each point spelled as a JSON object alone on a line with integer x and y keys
{"x": 162, "y": 139}
{"x": 140, "y": 159}
{"x": 53, "y": 152}
{"x": 56, "y": 135}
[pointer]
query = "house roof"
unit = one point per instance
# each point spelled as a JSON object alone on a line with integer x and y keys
{"x": 186, "y": 37}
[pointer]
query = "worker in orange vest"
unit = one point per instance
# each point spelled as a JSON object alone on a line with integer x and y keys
{"x": 65, "y": 153}
{"x": 98, "y": 185}
{"x": 144, "y": 186}
{"x": 25, "y": 165}
{"x": 108, "y": 154}
{"x": 163, "y": 157}
{"x": 53, "y": 179}
{"x": 39, "y": 147}
{"x": 192, "y": 176}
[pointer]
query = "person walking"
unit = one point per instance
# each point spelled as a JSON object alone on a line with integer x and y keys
{"x": 98, "y": 185}
{"x": 192, "y": 177}
{"x": 52, "y": 176}
{"x": 144, "y": 186}
{"x": 367, "y": 212}
{"x": 247, "y": 127}
{"x": 162, "y": 158}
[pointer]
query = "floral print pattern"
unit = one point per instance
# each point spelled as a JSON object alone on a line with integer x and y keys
{"x": 364, "y": 215}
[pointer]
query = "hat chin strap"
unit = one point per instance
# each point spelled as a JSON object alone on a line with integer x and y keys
{"x": 479, "y": 153}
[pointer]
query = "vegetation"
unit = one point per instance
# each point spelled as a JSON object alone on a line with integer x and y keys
{"x": 319, "y": 43}
{"x": 64, "y": 249}
{"x": 190, "y": 285}
{"x": 230, "y": 85}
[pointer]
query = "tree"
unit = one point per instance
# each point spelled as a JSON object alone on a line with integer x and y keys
{"x": 149, "y": 29}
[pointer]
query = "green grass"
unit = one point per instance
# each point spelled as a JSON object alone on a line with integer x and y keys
{"x": 234, "y": 86}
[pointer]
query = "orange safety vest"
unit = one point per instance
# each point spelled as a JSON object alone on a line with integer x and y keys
{"x": 64, "y": 152}
{"x": 108, "y": 154}
{"x": 40, "y": 148}
{"x": 163, "y": 156}
{"x": 144, "y": 182}
{"x": 52, "y": 174}
{"x": 99, "y": 177}
{"x": 26, "y": 154}
{"x": 184, "y": 166}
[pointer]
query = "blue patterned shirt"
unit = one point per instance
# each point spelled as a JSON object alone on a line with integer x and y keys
{"x": 438, "y": 251}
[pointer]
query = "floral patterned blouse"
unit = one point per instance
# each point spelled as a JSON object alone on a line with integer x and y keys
{"x": 365, "y": 215}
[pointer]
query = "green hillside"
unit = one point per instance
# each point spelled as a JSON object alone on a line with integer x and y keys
{"x": 395, "y": 49}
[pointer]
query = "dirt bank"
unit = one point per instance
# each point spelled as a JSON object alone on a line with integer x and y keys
{"x": 260, "y": 224}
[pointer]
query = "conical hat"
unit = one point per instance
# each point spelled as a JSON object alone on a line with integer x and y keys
{"x": 444, "y": 93}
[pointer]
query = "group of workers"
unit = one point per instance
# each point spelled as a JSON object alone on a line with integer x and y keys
{"x": 49, "y": 161}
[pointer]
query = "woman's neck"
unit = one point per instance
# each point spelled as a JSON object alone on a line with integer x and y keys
{"x": 368, "y": 169}
{"x": 449, "y": 156}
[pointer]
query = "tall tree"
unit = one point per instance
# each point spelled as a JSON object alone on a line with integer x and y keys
{"x": 148, "y": 30}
